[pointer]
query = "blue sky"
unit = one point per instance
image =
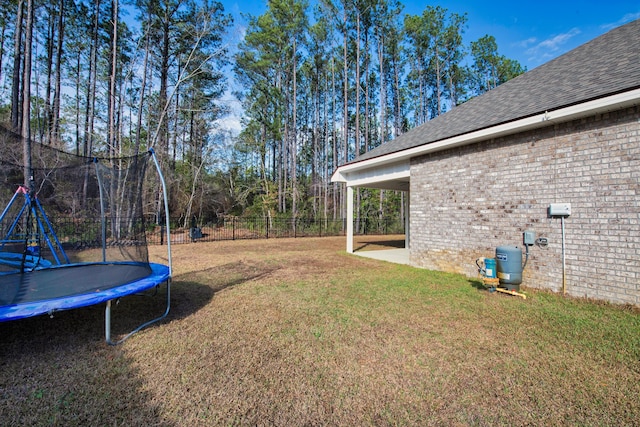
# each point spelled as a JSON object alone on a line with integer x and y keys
{"x": 532, "y": 32}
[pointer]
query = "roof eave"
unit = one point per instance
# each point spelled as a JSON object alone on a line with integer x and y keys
{"x": 585, "y": 109}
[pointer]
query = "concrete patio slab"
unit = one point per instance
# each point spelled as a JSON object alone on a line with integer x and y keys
{"x": 397, "y": 256}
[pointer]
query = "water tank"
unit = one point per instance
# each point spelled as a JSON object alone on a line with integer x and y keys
{"x": 509, "y": 267}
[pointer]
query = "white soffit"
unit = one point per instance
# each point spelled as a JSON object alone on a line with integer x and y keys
{"x": 381, "y": 172}
{"x": 397, "y": 164}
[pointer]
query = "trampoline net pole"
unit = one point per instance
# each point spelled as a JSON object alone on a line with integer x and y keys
{"x": 166, "y": 209}
{"x": 103, "y": 222}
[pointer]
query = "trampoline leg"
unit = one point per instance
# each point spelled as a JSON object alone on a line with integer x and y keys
{"x": 107, "y": 319}
{"x": 107, "y": 322}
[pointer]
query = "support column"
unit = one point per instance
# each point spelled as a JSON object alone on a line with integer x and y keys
{"x": 349, "y": 219}
{"x": 407, "y": 229}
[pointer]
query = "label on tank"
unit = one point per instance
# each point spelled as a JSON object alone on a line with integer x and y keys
{"x": 505, "y": 276}
{"x": 501, "y": 256}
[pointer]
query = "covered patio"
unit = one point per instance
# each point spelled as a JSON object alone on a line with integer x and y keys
{"x": 390, "y": 248}
{"x": 386, "y": 173}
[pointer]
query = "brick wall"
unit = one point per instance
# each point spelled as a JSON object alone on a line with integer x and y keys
{"x": 468, "y": 200}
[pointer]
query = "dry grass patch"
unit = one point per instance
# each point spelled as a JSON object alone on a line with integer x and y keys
{"x": 295, "y": 332}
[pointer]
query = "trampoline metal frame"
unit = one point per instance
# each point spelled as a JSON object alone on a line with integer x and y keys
{"x": 107, "y": 319}
{"x": 33, "y": 207}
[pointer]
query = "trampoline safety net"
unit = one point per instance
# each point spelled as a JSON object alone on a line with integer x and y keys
{"x": 76, "y": 209}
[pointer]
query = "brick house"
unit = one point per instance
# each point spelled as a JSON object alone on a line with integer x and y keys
{"x": 479, "y": 175}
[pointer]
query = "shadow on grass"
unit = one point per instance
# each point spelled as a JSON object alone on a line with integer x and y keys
{"x": 192, "y": 291}
{"x": 59, "y": 371}
{"x": 379, "y": 244}
{"x": 477, "y": 284}
{"x": 189, "y": 293}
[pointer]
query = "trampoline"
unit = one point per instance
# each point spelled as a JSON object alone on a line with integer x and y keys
{"x": 64, "y": 287}
{"x": 55, "y": 279}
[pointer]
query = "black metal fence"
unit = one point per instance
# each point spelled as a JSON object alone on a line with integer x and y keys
{"x": 265, "y": 228}
{"x": 85, "y": 233}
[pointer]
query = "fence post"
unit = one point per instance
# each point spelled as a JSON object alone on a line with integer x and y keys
{"x": 266, "y": 227}
{"x": 161, "y": 234}
{"x": 233, "y": 229}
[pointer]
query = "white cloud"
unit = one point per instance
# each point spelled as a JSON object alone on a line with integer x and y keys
{"x": 555, "y": 43}
{"x": 230, "y": 123}
{"x": 551, "y": 47}
{"x": 629, "y": 17}
{"x": 524, "y": 44}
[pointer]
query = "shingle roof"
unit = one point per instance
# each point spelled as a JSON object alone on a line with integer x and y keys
{"x": 606, "y": 65}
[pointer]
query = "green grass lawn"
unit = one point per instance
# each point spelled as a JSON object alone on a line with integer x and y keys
{"x": 296, "y": 332}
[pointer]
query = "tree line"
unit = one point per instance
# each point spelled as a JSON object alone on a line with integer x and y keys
{"x": 320, "y": 84}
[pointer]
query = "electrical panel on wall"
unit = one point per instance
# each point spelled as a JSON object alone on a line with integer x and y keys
{"x": 528, "y": 238}
{"x": 559, "y": 209}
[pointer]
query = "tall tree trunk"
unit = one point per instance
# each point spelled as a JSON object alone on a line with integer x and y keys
{"x": 357, "y": 81}
{"x": 316, "y": 157}
{"x": 57, "y": 95}
{"x": 383, "y": 90}
{"x": 3, "y": 32}
{"x": 174, "y": 137}
{"x": 367, "y": 117}
{"x": 294, "y": 140}
{"x": 326, "y": 172}
{"x": 263, "y": 152}
{"x": 45, "y": 125}
{"x": 91, "y": 86}
{"x": 334, "y": 141}
{"x": 281, "y": 150}
{"x": 87, "y": 149}
{"x": 143, "y": 86}
{"x": 398, "y": 98}
{"x": 16, "y": 107}
{"x": 26, "y": 98}
{"x": 119, "y": 115}
{"x": 438, "y": 79}
{"x": 111, "y": 125}
{"x": 274, "y": 149}
{"x": 345, "y": 103}
{"x": 163, "y": 137}
{"x": 78, "y": 74}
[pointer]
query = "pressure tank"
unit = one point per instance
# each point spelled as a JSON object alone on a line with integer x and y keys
{"x": 509, "y": 267}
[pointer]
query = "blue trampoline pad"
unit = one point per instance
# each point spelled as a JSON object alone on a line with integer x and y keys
{"x": 75, "y": 285}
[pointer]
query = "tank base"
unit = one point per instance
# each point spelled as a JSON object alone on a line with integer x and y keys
{"x": 511, "y": 287}
{"x": 514, "y": 293}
